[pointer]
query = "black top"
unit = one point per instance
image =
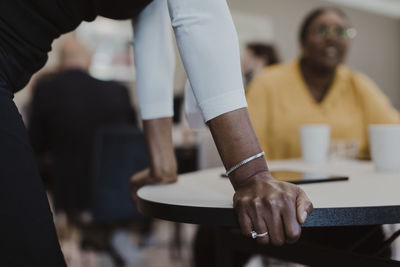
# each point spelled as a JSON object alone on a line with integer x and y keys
{"x": 66, "y": 112}
{"x": 28, "y": 28}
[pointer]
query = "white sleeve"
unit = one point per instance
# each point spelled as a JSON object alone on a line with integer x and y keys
{"x": 155, "y": 61}
{"x": 207, "y": 42}
{"x": 194, "y": 116}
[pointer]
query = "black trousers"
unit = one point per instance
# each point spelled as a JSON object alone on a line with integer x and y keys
{"x": 27, "y": 232}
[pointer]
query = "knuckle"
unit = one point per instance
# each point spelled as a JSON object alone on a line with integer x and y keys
{"x": 255, "y": 203}
{"x": 270, "y": 202}
{"x": 240, "y": 201}
{"x": 287, "y": 199}
{"x": 286, "y": 202}
{"x": 275, "y": 204}
{"x": 279, "y": 199}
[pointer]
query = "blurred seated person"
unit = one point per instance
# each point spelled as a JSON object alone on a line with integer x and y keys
{"x": 67, "y": 108}
{"x": 316, "y": 88}
{"x": 255, "y": 58}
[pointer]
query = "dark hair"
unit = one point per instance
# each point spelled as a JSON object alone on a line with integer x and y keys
{"x": 312, "y": 16}
{"x": 265, "y": 51}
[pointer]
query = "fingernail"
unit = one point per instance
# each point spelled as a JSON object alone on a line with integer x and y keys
{"x": 304, "y": 216}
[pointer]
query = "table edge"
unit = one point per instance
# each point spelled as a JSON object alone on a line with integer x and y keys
{"x": 320, "y": 217}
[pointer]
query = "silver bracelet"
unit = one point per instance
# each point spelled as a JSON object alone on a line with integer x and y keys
{"x": 240, "y": 164}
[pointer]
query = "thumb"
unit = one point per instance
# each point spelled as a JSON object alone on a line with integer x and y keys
{"x": 304, "y": 206}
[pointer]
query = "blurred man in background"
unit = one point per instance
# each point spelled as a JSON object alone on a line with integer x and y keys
{"x": 67, "y": 109}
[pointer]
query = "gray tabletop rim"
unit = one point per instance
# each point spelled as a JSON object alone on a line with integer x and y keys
{"x": 320, "y": 217}
{"x": 372, "y": 213}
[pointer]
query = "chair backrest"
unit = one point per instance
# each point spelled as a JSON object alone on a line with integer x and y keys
{"x": 120, "y": 151}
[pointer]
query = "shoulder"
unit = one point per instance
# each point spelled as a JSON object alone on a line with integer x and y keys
{"x": 362, "y": 83}
{"x": 369, "y": 93}
{"x": 356, "y": 76}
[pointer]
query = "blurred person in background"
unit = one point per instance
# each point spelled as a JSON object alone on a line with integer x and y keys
{"x": 208, "y": 46}
{"x": 318, "y": 88}
{"x": 256, "y": 57}
{"x": 68, "y": 108}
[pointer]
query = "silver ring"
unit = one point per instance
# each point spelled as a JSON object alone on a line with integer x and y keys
{"x": 254, "y": 234}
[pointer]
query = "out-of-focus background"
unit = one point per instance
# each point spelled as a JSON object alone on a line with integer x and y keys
{"x": 375, "y": 52}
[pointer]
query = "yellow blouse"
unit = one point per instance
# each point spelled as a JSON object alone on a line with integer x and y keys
{"x": 280, "y": 102}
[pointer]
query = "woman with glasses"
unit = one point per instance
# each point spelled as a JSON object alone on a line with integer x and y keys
{"x": 268, "y": 210}
{"x": 318, "y": 88}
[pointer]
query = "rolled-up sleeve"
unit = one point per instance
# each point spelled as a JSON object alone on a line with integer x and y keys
{"x": 155, "y": 61}
{"x": 208, "y": 45}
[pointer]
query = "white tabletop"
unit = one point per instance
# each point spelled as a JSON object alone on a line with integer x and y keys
{"x": 365, "y": 188}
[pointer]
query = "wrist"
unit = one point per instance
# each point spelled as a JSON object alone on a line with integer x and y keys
{"x": 158, "y": 134}
{"x": 165, "y": 169}
{"x": 261, "y": 175}
{"x": 243, "y": 162}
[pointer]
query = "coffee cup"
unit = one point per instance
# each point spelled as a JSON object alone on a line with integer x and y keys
{"x": 315, "y": 140}
{"x": 384, "y": 140}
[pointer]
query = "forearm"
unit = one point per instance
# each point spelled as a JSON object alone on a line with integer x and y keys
{"x": 209, "y": 49}
{"x": 163, "y": 167}
{"x": 236, "y": 140}
{"x": 158, "y": 134}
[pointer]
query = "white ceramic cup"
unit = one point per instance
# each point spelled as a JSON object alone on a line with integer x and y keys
{"x": 315, "y": 140}
{"x": 384, "y": 140}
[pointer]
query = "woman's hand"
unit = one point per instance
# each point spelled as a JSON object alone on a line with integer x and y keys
{"x": 264, "y": 204}
{"x": 146, "y": 177}
{"x": 261, "y": 203}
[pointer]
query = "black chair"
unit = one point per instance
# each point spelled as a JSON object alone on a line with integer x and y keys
{"x": 120, "y": 151}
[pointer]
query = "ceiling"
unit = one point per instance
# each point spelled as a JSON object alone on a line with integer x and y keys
{"x": 389, "y": 8}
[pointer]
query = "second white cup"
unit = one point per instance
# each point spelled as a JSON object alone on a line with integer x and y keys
{"x": 315, "y": 141}
{"x": 384, "y": 142}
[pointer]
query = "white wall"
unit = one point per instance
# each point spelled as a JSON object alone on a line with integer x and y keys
{"x": 375, "y": 51}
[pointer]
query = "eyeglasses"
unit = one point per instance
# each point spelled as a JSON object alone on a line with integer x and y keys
{"x": 324, "y": 31}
